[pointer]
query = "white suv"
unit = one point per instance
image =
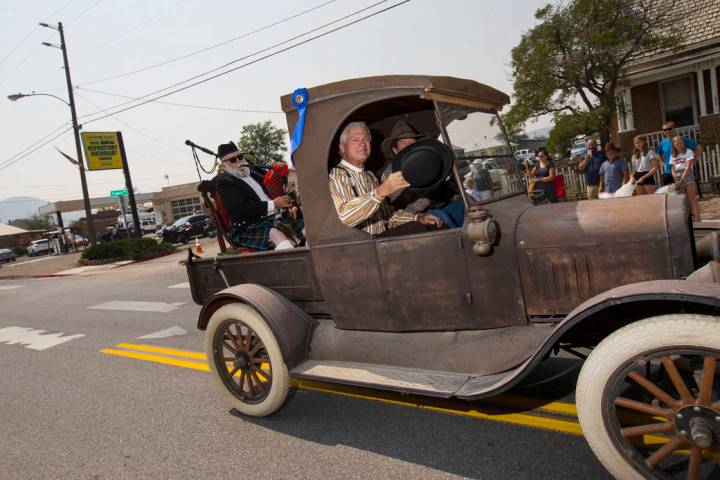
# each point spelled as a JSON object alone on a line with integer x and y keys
{"x": 39, "y": 247}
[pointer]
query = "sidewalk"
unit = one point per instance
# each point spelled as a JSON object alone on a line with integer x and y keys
{"x": 66, "y": 265}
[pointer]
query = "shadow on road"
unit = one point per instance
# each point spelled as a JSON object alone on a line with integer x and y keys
{"x": 455, "y": 444}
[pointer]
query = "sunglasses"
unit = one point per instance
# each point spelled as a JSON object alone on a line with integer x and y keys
{"x": 235, "y": 159}
{"x": 667, "y": 129}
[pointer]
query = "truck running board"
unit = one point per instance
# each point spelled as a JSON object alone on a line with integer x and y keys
{"x": 406, "y": 380}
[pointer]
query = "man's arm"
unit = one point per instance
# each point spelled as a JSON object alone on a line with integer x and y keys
{"x": 582, "y": 166}
{"x": 352, "y": 210}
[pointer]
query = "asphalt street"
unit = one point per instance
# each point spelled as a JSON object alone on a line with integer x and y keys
{"x": 72, "y": 407}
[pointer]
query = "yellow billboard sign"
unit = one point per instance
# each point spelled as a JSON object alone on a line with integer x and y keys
{"x": 102, "y": 150}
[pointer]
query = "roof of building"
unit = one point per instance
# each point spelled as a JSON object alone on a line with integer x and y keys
{"x": 10, "y": 230}
{"x": 696, "y": 20}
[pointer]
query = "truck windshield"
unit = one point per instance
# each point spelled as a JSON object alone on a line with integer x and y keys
{"x": 485, "y": 163}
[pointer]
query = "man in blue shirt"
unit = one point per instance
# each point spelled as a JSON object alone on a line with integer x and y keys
{"x": 590, "y": 165}
{"x": 664, "y": 150}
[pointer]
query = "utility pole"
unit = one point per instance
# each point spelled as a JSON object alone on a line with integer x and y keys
{"x": 76, "y": 131}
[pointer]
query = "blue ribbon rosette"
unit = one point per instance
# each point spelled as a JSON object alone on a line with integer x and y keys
{"x": 299, "y": 101}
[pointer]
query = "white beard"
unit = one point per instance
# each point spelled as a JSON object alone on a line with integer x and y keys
{"x": 238, "y": 172}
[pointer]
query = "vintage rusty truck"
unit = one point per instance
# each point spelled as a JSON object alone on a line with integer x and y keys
{"x": 469, "y": 312}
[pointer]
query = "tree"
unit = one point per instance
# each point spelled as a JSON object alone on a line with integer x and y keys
{"x": 571, "y": 64}
{"x": 265, "y": 141}
{"x": 32, "y": 223}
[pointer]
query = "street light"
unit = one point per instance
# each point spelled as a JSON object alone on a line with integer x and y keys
{"x": 76, "y": 127}
{"x": 17, "y": 96}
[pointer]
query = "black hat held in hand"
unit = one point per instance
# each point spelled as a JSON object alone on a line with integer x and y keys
{"x": 424, "y": 164}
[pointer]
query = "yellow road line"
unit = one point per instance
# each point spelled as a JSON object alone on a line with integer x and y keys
{"x": 163, "y": 350}
{"x": 439, "y": 405}
{"x": 493, "y": 409}
{"x": 157, "y": 359}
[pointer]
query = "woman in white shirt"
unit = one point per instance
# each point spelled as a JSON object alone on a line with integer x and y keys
{"x": 644, "y": 164}
{"x": 682, "y": 162}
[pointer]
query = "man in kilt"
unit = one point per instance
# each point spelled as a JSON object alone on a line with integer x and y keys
{"x": 255, "y": 220}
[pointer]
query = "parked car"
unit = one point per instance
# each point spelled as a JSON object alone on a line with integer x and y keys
{"x": 79, "y": 241}
{"x": 186, "y": 227}
{"x": 39, "y": 247}
{"x": 470, "y": 312}
{"x": 577, "y": 150}
{"x": 7, "y": 255}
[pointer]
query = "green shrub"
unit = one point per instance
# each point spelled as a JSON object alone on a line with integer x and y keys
{"x": 19, "y": 250}
{"x": 132, "y": 249}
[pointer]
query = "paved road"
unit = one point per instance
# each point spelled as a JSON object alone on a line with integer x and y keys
{"x": 70, "y": 411}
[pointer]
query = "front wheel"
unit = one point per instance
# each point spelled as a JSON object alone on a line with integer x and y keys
{"x": 182, "y": 238}
{"x": 648, "y": 399}
{"x": 245, "y": 360}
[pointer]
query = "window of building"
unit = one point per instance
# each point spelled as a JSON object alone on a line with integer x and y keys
{"x": 677, "y": 100}
{"x": 184, "y": 207}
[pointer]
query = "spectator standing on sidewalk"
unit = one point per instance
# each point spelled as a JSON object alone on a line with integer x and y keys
{"x": 614, "y": 171}
{"x": 544, "y": 174}
{"x": 682, "y": 162}
{"x": 590, "y": 166}
{"x": 644, "y": 164}
{"x": 665, "y": 150}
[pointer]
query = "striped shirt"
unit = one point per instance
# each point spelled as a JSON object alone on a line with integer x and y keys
{"x": 354, "y": 193}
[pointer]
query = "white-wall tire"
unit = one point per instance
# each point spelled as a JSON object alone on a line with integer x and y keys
{"x": 616, "y": 355}
{"x": 254, "y": 366}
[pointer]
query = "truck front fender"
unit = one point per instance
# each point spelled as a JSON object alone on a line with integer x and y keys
{"x": 292, "y": 327}
{"x": 601, "y": 315}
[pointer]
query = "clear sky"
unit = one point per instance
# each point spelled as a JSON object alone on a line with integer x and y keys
{"x": 106, "y": 38}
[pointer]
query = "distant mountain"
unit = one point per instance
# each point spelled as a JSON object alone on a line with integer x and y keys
{"x": 19, "y": 207}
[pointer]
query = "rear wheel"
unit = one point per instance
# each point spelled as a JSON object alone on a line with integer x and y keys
{"x": 246, "y": 361}
{"x": 648, "y": 399}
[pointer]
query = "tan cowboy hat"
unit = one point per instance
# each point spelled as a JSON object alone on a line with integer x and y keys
{"x": 400, "y": 130}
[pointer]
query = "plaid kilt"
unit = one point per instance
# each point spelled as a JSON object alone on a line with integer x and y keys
{"x": 257, "y": 235}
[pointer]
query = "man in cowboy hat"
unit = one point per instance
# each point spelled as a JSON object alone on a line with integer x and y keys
{"x": 253, "y": 220}
{"x": 452, "y": 214}
{"x": 401, "y": 135}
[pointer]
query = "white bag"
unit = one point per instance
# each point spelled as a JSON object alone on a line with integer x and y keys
{"x": 665, "y": 189}
{"x": 626, "y": 190}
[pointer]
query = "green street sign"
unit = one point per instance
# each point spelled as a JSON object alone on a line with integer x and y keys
{"x": 118, "y": 193}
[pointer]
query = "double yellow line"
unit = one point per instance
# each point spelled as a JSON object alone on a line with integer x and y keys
{"x": 556, "y": 416}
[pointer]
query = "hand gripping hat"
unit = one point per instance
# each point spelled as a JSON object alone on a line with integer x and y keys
{"x": 424, "y": 164}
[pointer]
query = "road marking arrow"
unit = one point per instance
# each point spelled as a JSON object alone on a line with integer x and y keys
{"x": 168, "y": 332}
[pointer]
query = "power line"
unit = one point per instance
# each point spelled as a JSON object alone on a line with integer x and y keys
{"x": 196, "y": 52}
{"x": 144, "y": 22}
{"x": 9, "y": 163}
{"x": 133, "y": 128}
{"x": 34, "y": 30}
{"x": 202, "y": 107}
{"x": 83, "y": 13}
{"x": 5, "y": 162}
{"x": 341, "y": 27}
{"x": 249, "y": 55}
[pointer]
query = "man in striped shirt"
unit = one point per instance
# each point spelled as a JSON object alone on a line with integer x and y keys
{"x": 359, "y": 198}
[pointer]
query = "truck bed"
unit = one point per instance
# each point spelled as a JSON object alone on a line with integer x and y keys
{"x": 288, "y": 272}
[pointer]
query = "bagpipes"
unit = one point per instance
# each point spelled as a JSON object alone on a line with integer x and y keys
{"x": 275, "y": 183}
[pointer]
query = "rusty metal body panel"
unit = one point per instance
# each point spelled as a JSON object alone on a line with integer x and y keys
{"x": 570, "y": 252}
{"x": 288, "y": 272}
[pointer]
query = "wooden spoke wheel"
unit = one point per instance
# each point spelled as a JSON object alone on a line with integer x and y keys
{"x": 246, "y": 361}
{"x": 649, "y": 399}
